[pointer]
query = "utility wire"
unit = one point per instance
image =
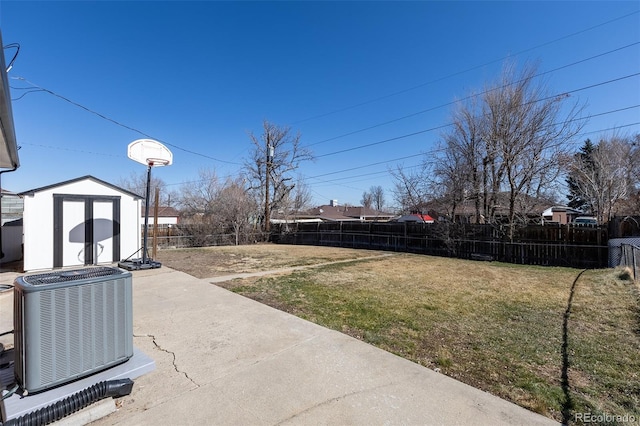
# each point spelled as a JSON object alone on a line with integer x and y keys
{"x": 466, "y": 98}
{"x": 39, "y": 88}
{"x": 455, "y": 74}
{"x": 36, "y": 88}
{"x": 59, "y": 148}
{"x": 12, "y": 46}
{"x": 425, "y": 153}
{"x": 346, "y": 179}
{"x": 436, "y": 150}
{"x": 451, "y": 124}
{"x": 119, "y": 123}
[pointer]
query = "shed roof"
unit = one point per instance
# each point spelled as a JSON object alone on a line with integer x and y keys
{"x": 79, "y": 179}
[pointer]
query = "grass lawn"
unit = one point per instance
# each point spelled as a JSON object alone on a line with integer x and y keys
{"x": 557, "y": 341}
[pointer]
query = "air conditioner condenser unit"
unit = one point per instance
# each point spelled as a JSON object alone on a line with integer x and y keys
{"x": 70, "y": 324}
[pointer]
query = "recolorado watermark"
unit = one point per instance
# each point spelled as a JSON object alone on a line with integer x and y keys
{"x": 604, "y": 418}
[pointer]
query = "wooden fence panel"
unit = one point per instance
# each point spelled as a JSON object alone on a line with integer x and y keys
{"x": 555, "y": 245}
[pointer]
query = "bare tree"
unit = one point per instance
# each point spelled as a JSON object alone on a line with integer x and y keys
{"x": 234, "y": 208}
{"x": 511, "y": 142}
{"x": 276, "y": 154}
{"x": 213, "y": 208}
{"x": 374, "y": 198}
{"x": 196, "y": 202}
{"x": 377, "y": 194}
{"x": 531, "y": 133}
{"x": 367, "y": 199}
{"x": 301, "y": 197}
{"x": 411, "y": 191}
{"x": 606, "y": 176}
{"x": 197, "y": 197}
{"x": 137, "y": 183}
{"x": 459, "y": 171}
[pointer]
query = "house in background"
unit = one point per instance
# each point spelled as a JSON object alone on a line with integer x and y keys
{"x": 415, "y": 217}
{"x": 11, "y": 209}
{"x": 333, "y": 212}
{"x": 12, "y": 206}
{"x": 560, "y": 214}
{"x": 83, "y": 221}
{"x": 167, "y": 216}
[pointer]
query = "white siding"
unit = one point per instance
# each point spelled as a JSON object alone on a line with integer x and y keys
{"x": 38, "y": 232}
{"x": 162, "y": 220}
{"x": 39, "y": 222}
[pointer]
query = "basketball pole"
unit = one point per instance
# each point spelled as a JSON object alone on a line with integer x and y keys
{"x": 146, "y": 214}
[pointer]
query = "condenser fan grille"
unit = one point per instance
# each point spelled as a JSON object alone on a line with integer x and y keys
{"x": 73, "y": 275}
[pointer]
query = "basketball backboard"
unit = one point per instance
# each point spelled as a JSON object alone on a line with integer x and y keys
{"x": 150, "y": 153}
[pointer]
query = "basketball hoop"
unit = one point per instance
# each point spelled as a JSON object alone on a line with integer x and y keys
{"x": 152, "y": 154}
{"x": 157, "y": 162}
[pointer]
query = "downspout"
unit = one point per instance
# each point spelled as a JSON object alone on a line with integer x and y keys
{"x": 15, "y": 167}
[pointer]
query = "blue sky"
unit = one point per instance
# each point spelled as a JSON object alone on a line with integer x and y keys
{"x": 199, "y": 76}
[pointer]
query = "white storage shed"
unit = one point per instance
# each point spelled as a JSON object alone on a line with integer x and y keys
{"x": 83, "y": 221}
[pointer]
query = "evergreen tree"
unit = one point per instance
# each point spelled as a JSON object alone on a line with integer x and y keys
{"x": 576, "y": 198}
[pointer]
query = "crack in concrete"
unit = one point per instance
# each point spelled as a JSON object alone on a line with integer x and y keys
{"x": 332, "y": 400}
{"x": 173, "y": 361}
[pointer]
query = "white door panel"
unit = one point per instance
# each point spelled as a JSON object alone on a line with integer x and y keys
{"x": 73, "y": 231}
{"x": 102, "y": 231}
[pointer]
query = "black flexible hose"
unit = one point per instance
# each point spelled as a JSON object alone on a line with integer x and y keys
{"x": 73, "y": 403}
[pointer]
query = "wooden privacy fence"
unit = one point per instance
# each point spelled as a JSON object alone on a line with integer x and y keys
{"x": 631, "y": 259}
{"x": 554, "y": 245}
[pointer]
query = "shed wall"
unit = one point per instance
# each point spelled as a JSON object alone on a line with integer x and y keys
{"x": 39, "y": 222}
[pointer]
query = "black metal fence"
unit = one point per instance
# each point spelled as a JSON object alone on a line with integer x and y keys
{"x": 555, "y": 245}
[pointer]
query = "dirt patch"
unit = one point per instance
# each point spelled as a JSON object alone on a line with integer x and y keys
{"x": 217, "y": 261}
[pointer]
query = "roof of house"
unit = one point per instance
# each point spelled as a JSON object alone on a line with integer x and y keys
{"x": 565, "y": 209}
{"x": 415, "y": 217}
{"x": 79, "y": 179}
{"x": 467, "y": 207}
{"x": 163, "y": 211}
{"x": 5, "y": 192}
{"x": 347, "y": 213}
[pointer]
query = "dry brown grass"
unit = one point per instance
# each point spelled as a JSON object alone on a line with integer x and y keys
{"x": 226, "y": 260}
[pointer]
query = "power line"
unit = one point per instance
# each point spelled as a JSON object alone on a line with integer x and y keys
{"x": 395, "y": 120}
{"x": 436, "y": 150}
{"x": 450, "y": 124}
{"x": 455, "y": 74}
{"x": 12, "y": 46}
{"x": 104, "y": 117}
{"x": 71, "y": 150}
{"x": 41, "y": 89}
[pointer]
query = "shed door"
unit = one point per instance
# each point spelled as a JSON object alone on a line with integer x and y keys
{"x": 86, "y": 230}
{"x": 73, "y": 227}
{"x": 103, "y": 232}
